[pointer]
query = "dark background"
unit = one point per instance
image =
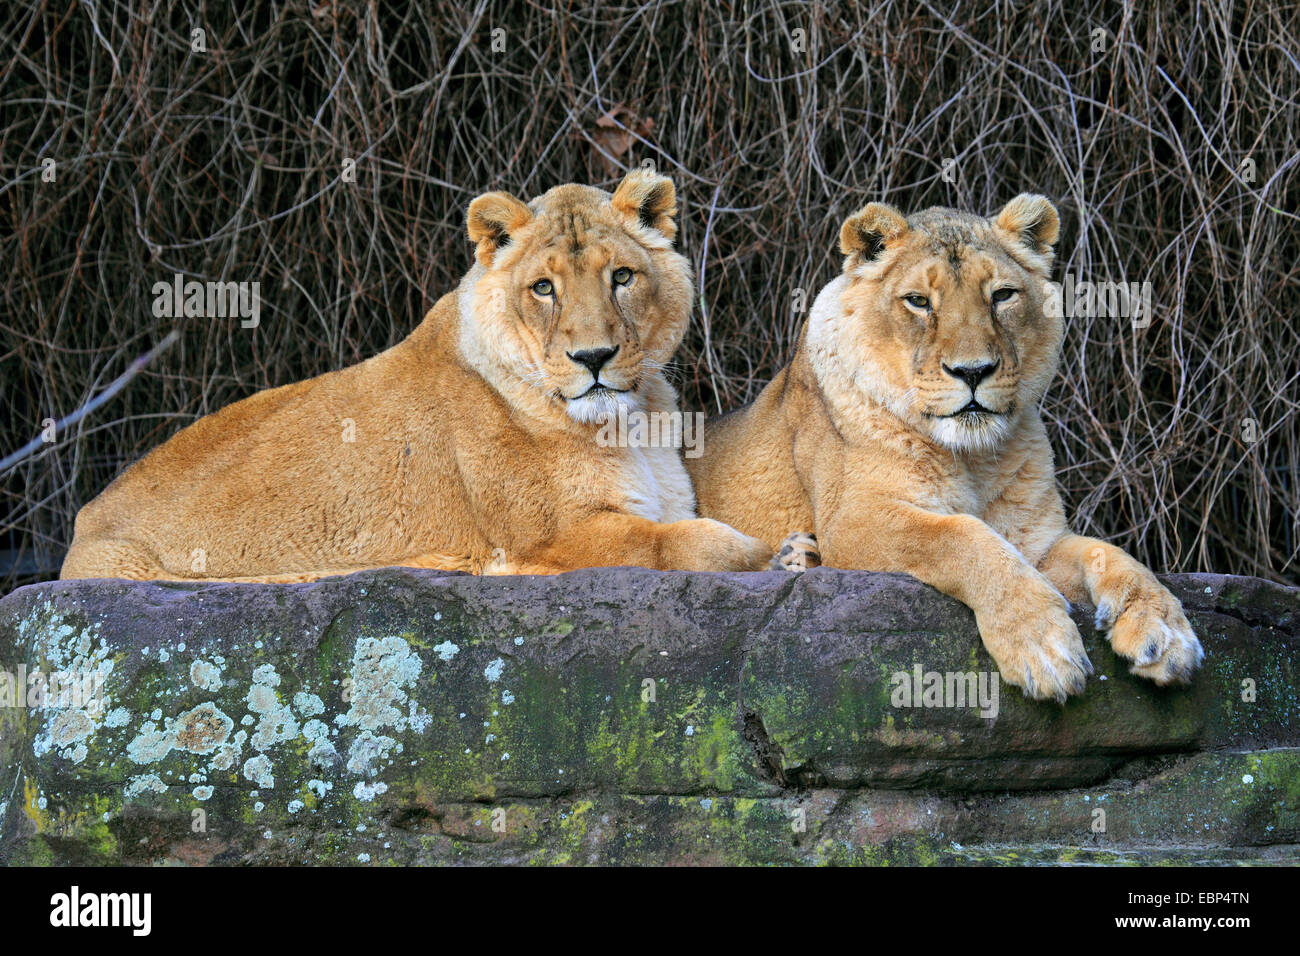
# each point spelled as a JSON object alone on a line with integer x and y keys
{"x": 226, "y": 165}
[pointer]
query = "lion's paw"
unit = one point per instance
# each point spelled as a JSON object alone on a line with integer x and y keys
{"x": 798, "y": 552}
{"x": 1146, "y": 624}
{"x": 1039, "y": 649}
{"x": 732, "y": 550}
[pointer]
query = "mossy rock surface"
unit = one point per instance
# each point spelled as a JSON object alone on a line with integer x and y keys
{"x": 624, "y": 716}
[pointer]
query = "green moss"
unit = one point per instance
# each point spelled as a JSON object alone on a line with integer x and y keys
{"x": 147, "y": 687}
{"x": 334, "y": 652}
{"x": 33, "y": 852}
{"x": 1278, "y": 770}
{"x": 32, "y": 805}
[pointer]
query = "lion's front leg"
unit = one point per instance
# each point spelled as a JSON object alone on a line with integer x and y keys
{"x": 610, "y": 538}
{"x": 1024, "y": 622}
{"x": 1144, "y": 621}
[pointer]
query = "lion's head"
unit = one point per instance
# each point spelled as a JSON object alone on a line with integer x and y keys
{"x": 945, "y": 317}
{"x": 578, "y": 294}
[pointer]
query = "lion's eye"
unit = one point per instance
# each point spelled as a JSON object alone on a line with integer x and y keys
{"x": 543, "y": 287}
{"x": 622, "y": 275}
{"x": 1002, "y": 295}
{"x": 917, "y": 301}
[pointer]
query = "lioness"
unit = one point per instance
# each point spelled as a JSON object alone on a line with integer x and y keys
{"x": 905, "y": 433}
{"x": 471, "y": 445}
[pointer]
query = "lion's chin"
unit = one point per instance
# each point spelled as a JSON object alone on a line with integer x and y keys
{"x": 971, "y": 432}
{"x": 599, "y": 405}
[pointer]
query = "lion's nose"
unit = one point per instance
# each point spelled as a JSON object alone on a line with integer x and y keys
{"x": 972, "y": 373}
{"x": 594, "y": 359}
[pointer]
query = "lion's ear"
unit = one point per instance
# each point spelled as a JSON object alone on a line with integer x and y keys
{"x": 1031, "y": 220}
{"x": 870, "y": 229}
{"x": 492, "y": 219}
{"x": 649, "y": 200}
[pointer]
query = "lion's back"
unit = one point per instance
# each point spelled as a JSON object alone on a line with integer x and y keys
{"x": 278, "y": 479}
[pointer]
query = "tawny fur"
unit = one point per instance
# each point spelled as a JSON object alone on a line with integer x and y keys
{"x": 862, "y": 439}
{"x": 474, "y": 446}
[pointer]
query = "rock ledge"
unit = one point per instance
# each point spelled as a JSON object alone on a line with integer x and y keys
{"x": 625, "y": 716}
